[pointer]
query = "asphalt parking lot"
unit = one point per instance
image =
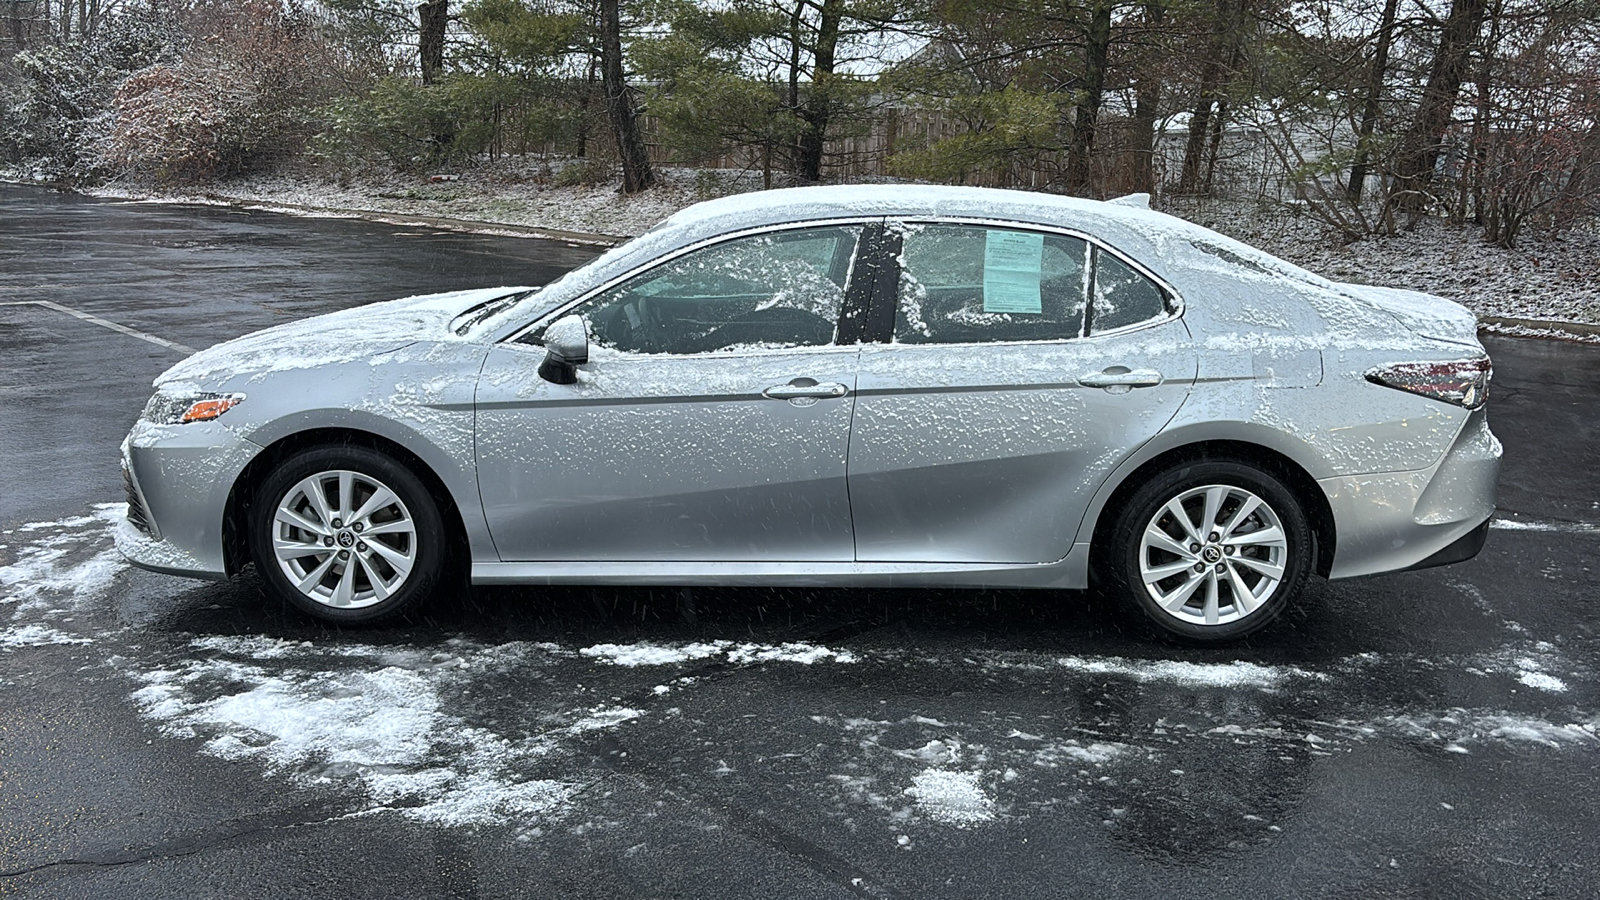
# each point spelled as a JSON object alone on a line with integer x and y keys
{"x": 1426, "y": 734}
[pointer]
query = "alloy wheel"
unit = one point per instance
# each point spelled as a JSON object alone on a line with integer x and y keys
{"x": 344, "y": 539}
{"x": 1213, "y": 555}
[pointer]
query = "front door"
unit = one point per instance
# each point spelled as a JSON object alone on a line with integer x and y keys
{"x": 712, "y": 421}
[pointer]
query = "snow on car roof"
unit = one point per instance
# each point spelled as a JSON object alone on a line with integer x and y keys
{"x": 1128, "y": 226}
{"x": 1173, "y": 249}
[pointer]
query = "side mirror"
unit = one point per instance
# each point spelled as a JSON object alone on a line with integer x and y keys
{"x": 566, "y": 344}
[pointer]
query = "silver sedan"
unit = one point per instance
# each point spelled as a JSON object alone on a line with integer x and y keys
{"x": 841, "y": 386}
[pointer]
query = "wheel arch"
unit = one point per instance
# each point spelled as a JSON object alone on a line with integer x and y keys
{"x": 242, "y": 494}
{"x": 1139, "y": 469}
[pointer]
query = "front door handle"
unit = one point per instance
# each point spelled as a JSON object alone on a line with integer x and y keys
{"x": 805, "y": 389}
{"x": 1121, "y": 377}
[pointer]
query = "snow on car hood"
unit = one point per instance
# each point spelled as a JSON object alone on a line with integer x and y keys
{"x": 350, "y": 334}
{"x": 1426, "y": 314}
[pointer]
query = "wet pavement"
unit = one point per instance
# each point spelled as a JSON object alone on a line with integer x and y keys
{"x": 1425, "y": 734}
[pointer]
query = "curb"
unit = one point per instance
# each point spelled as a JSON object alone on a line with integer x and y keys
{"x": 388, "y": 218}
{"x": 467, "y": 225}
{"x": 1575, "y": 331}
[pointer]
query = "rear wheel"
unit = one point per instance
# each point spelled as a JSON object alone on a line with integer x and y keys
{"x": 1210, "y": 551}
{"x": 346, "y": 534}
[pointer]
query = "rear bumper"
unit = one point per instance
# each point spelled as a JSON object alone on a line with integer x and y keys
{"x": 1393, "y": 521}
{"x": 1465, "y": 548}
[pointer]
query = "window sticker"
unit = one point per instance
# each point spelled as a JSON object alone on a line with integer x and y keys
{"x": 1012, "y": 263}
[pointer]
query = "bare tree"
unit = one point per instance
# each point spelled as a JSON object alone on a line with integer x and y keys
{"x": 1369, "y": 107}
{"x": 1420, "y": 147}
{"x": 1222, "y": 61}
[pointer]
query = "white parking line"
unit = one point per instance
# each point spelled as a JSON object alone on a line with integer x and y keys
{"x": 103, "y": 323}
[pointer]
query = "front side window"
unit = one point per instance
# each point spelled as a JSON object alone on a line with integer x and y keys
{"x": 764, "y": 291}
{"x": 975, "y": 284}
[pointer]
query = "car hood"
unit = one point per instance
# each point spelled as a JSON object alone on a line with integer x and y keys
{"x": 1425, "y": 314}
{"x": 345, "y": 336}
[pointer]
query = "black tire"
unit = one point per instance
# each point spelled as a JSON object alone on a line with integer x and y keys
{"x": 380, "y": 584}
{"x": 1232, "y": 554}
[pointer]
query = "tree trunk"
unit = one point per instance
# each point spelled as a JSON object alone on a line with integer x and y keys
{"x": 583, "y": 105}
{"x": 794, "y": 55}
{"x": 1096, "y": 50}
{"x": 1476, "y": 181}
{"x": 1194, "y": 150}
{"x": 433, "y": 16}
{"x": 819, "y": 104}
{"x": 1575, "y": 196}
{"x": 1421, "y": 146}
{"x": 1219, "y": 120}
{"x": 636, "y": 171}
{"x": 1146, "y": 107}
{"x": 1369, "y": 109}
{"x": 17, "y": 37}
{"x": 1226, "y": 52}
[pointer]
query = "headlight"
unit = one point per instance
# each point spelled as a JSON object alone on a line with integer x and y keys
{"x": 188, "y": 406}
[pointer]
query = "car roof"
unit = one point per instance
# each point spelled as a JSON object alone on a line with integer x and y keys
{"x": 784, "y": 205}
{"x": 1163, "y": 244}
{"x": 1159, "y": 241}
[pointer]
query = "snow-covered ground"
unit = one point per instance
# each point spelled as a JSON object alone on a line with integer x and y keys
{"x": 1543, "y": 280}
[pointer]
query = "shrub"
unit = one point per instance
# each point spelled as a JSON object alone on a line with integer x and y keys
{"x": 55, "y": 110}
{"x": 240, "y": 98}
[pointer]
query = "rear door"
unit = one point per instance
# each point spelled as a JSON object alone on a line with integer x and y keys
{"x": 711, "y": 422}
{"x": 1020, "y": 367}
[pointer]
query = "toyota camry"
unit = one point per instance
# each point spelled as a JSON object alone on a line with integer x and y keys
{"x": 838, "y": 386}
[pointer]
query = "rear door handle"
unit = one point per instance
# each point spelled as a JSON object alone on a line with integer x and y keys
{"x": 805, "y": 389}
{"x": 1123, "y": 377}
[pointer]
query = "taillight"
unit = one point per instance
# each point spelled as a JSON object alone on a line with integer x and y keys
{"x": 1463, "y": 382}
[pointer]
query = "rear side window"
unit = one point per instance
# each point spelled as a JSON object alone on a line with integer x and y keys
{"x": 975, "y": 284}
{"x": 1122, "y": 296}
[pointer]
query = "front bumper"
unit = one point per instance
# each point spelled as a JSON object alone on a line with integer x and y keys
{"x": 178, "y": 479}
{"x": 1393, "y": 521}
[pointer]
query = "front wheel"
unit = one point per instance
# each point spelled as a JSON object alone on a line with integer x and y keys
{"x": 346, "y": 534}
{"x": 1210, "y": 551}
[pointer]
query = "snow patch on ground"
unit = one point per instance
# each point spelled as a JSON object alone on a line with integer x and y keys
{"x": 510, "y": 192}
{"x": 372, "y": 717}
{"x": 60, "y": 567}
{"x": 953, "y": 798}
{"x": 1530, "y": 662}
{"x": 1459, "y": 727}
{"x": 1238, "y": 674}
{"x": 36, "y": 636}
{"x": 1541, "y": 681}
{"x": 646, "y": 653}
{"x": 1538, "y": 525}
